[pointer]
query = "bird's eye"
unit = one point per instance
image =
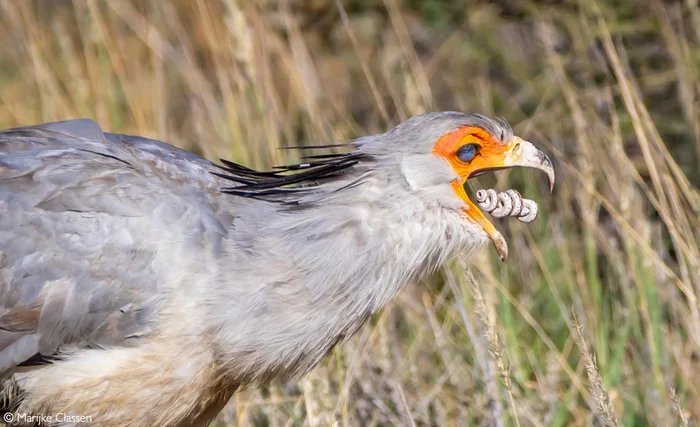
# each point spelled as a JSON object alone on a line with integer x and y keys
{"x": 467, "y": 152}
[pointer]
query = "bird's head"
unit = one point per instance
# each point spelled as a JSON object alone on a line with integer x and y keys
{"x": 438, "y": 152}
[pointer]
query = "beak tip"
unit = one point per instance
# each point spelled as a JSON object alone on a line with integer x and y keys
{"x": 501, "y": 246}
{"x": 533, "y": 157}
{"x": 549, "y": 169}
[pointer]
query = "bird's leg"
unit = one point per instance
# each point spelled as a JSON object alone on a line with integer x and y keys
{"x": 507, "y": 203}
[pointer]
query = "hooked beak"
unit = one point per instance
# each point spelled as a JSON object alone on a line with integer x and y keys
{"x": 523, "y": 153}
{"x": 518, "y": 152}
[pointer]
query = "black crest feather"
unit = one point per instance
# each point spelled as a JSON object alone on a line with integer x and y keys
{"x": 289, "y": 180}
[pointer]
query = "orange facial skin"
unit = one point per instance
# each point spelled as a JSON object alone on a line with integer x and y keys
{"x": 491, "y": 155}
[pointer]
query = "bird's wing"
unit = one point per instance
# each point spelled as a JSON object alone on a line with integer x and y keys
{"x": 87, "y": 220}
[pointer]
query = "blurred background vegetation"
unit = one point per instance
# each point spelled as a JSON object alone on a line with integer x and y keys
{"x": 594, "y": 319}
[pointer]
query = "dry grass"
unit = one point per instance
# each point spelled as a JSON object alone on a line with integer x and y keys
{"x": 611, "y": 91}
{"x": 604, "y": 409}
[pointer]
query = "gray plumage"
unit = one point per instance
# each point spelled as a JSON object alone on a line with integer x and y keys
{"x": 83, "y": 215}
{"x": 128, "y": 264}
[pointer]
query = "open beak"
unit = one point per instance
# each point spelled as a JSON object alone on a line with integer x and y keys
{"x": 523, "y": 153}
{"x": 518, "y": 152}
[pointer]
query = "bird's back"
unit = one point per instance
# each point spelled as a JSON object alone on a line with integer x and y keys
{"x": 92, "y": 229}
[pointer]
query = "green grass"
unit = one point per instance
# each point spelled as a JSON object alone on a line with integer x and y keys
{"x": 610, "y": 89}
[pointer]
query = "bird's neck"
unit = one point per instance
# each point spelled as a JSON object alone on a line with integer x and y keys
{"x": 363, "y": 247}
{"x": 299, "y": 280}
